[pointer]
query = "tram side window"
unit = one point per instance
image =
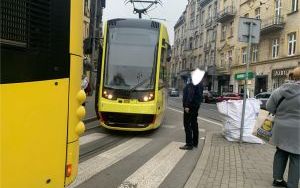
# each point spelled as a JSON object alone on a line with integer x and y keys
{"x": 162, "y": 72}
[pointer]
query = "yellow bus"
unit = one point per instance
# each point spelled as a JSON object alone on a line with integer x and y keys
{"x": 132, "y": 76}
{"x": 40, "y": 94}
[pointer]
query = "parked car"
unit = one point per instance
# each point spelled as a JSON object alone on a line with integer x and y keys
{"x": 173, "y": 92}
{"x": 263, "y": 97}
{"x": 209, "y": 96}
{"x": 229, "y": 96}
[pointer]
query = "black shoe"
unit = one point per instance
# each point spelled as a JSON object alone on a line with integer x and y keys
{"x": 195, "y": 145}
{"x": 186, "y": 147}
{"x": 277, "y": 183}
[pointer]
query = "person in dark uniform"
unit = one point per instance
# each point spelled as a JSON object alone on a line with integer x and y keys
{"x": 192, "y": 97}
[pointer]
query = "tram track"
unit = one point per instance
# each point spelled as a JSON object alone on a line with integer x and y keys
{"x": 210, "y": 114}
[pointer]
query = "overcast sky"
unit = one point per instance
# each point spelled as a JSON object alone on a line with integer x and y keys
{"x": 170, "y": 11}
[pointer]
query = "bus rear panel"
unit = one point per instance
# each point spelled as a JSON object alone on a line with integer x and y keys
{"x": 41, "y": 99}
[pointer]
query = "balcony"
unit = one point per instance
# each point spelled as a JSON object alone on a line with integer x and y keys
{"x": 276, "y": 23}
{"x": 226, "y": 14}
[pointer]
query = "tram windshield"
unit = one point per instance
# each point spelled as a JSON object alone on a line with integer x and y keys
{"x": 131, "y": 58}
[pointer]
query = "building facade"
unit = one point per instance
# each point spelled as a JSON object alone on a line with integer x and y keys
{"x": 224, "y": 58}
{"x": 278, "y": 51}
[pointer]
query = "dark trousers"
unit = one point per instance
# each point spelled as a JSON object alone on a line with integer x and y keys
{"x": 280, "y": 160}
{"x": 191, "y": 126}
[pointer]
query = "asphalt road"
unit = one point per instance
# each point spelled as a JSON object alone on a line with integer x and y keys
{"x": 111, "y": 159}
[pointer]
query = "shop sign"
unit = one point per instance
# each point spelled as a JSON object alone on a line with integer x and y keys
{"x": 242, "y": 76}
{"x": 280, "y": 72}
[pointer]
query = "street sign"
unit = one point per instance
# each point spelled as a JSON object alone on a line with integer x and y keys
{"x": 242, "y": 76}
{"x": 243, "y": 34}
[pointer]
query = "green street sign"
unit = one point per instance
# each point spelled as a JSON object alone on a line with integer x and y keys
{"x": 242, "y": 76}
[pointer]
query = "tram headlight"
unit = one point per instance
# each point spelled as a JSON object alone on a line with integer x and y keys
{"x": 108, "y": 95}
{"x": 147, "y": 97}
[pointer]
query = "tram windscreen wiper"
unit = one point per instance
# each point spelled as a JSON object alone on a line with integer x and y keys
{"x": 141, "y": 83}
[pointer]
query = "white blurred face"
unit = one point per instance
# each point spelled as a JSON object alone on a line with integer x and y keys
{"x": 197, "y": 75}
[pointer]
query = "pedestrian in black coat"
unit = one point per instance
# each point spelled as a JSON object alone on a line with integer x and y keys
{"x": 192, "y": 97}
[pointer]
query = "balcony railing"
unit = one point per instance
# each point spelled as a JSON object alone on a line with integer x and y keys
{"x": 273, "y": 24}
{"x": 226, "y": 14}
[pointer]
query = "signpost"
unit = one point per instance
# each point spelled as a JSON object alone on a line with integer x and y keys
{"x": 242, "y": 76}
{"x": 249, "y": 31}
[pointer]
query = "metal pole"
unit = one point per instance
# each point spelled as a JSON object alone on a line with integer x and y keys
{"x": 246, "y": 82}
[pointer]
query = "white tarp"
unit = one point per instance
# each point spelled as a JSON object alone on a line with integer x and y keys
{"x": 232, "y": 117}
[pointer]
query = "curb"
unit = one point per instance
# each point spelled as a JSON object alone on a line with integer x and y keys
{"x": 199, "y": 169}
{"x": 90, "y": 119}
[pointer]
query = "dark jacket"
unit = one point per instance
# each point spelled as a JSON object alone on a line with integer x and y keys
{"x": 192, "y": 95}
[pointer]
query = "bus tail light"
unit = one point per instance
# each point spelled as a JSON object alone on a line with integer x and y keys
{"x": 69, "y": 170}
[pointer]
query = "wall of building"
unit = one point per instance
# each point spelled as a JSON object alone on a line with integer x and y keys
{"x": 269, "y": 72}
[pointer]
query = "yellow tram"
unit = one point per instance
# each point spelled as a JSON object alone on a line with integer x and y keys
{"x": 41, "y": 111}
{"x": 131, "y": 94}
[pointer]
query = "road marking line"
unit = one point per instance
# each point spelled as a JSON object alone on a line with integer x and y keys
{"x": 204, "y": 119}
{"x": 153, "y": 173}
{"x": 168, "y": 126}
{"x": 90, "y": 138}
{"x": 93, "y": 166}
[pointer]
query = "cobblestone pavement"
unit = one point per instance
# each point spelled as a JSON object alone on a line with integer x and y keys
{"x": 226, "y": 164}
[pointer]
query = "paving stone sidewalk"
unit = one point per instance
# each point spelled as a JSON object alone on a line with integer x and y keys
{"x": 226, "y": 164}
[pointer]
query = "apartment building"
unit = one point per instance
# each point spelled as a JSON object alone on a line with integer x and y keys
{"x": 227, "y": 37}
{"x": 186, "y": 55}
{"x": 208, "y": 33}
{"x": 177, "y": 51}
{"x": 278, "y": 51}
{"x": 217, "y": 49}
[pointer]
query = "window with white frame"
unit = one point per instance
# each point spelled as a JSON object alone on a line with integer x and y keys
{"x": 294, "y": 5}
{"x": 229, "y": 56}
{"x": 231, "y": 29}
{"x": 201, "y": 39}
{"x": 209, "y": 13}
{"x": 278, "y": 8}
{"x": 275, "y": 48}
{"x": 254, "y": 53}
{"x": 202, "y": 18}
{"x": 223, "y": 32}
{"x": 222, "y": 60}
{"x": 215, "y": 9}
{"x": 257, "y": 13}
{"x": 244, "y": 55}
{"x": 200, "y": 61}
{"x": 212, "y": 58}
{"x": 292, "y": 43}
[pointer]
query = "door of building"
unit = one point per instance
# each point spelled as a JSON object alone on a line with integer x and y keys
{"x": 261, "y": 84}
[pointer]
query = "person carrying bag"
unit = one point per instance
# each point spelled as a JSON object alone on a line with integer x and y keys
{"x": 285, "y": 104}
